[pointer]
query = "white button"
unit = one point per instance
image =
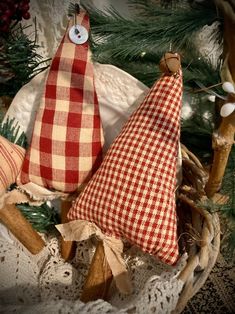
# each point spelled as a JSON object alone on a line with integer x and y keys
{"x": 78, "y": 34}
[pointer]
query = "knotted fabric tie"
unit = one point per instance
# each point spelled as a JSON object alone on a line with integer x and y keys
{"x": 80, "y": 230}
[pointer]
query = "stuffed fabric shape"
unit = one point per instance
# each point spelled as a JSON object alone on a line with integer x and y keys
{"x": 66, "y": 146}
{"x": 132, "y": 195}
{"x": 11, "y": 159}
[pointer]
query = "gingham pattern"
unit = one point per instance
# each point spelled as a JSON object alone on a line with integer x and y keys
{"x": 11, "y": 159}
{"x": 66, "y": 147}
{"x": 132, "y": 195}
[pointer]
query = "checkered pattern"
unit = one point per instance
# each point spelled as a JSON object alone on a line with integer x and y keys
{"x": 66, "y": 147}
{"x": 11, "y": 159}
{"x": 132, "y": 195}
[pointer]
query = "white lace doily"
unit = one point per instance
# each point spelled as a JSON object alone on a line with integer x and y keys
{"x": 45, "y": 283}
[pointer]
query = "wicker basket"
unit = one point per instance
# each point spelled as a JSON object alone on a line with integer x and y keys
{"x": 199, "y": 236}
{"x": 199, "y": 230}
{"x": 199, "y": 233}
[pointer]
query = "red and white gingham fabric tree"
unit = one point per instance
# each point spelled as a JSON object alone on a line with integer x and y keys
{"x": 66, "y": 146}
{"x": 132, "y": 195}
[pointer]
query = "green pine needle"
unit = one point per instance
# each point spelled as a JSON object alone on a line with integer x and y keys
{"x": 200, "y": 144}
{"x": 19, "y": 61}
{"x": 10, "y": 130}
{"x": 41, "y": 217}
{"x": 136, "y": 44}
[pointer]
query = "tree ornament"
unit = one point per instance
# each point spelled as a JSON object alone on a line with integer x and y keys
{"x": 66, "y": 147}
{"x": 132, "y": 194}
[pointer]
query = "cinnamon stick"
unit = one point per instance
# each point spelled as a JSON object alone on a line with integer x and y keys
{"x": 99, "y": 277}
{"x": 11, "y": 216}
{"x": 67, "y": 247}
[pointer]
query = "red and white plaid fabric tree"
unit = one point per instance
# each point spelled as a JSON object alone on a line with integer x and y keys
{"x": 132, "y": 195}
{"x": 11, "y": 159}
{"x": 66, "y": 146}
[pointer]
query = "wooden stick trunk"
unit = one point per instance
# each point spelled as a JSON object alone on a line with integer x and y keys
{"x": 99, "y": 277}
{"x": 11, "y": 216}
{"x": 67, "y": 247}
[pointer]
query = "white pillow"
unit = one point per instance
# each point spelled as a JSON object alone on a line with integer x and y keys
{"x": 119, "y": 94}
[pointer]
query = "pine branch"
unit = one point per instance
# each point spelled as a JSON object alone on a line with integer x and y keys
{"x": 41, "y": 217}
{"x": 10, "y": 130}
{"x": 136, "y": 44}
{"x": 151, "y": 28}
{"x": 18, "y": 60}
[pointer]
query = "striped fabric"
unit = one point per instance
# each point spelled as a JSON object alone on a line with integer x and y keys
{"x": 66, "y": 146}
{"x": 11, "y": 159}
{"x": 132, "y": 195}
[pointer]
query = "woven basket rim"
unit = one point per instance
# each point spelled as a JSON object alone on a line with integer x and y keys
{"x": 203, "y": 253}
